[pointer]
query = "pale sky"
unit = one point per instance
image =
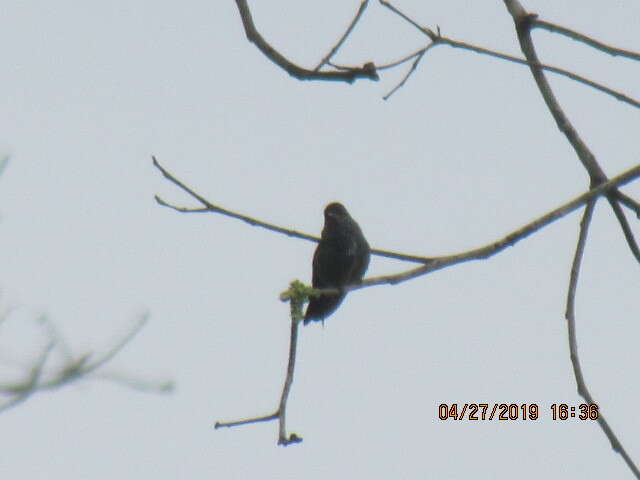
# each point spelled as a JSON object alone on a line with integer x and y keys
{"x": 465, "y": 153}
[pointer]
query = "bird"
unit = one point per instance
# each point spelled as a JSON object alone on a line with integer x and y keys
{"x": 341, "y": 258}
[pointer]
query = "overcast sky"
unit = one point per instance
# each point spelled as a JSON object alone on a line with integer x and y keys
{"x": 465, "y": 153}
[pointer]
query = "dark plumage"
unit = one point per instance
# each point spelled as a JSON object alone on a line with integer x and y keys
{"x": 341, "y": 258}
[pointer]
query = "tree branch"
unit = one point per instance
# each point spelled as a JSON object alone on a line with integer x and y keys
{"x": 345, "y": 35}
{"x": 297, "y": 299}
{"x": 583, "y": 390}
{"x": 429, "y": 263}
{"x": 366, "y": 71}
{"x": 552, "y": 27}
{"x": 438, "y": 263}
{"x": 523, "y": 29}
{"x": 523, "y": 22}
{"x": 437, "y": 39}
{"x": 209, "y": 207}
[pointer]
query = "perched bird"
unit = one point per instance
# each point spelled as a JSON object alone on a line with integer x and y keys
{"x": 341, "y": 258}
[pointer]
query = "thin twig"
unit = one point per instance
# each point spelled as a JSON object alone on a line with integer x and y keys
{"x": 438, "y": 39}
{"x": 583, "y": 390}
{"x": 408, "y": 19}
{"x": 247, "y": 421}
{"x": 615, "y": 51}
{"x": 550, "y": 68}
{"x": 337, "y": 46}
{"x": 414, "y": 65}
{"x": 403, "y": 59}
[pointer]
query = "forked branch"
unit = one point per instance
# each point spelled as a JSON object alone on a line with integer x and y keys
{"x": 349, "y": 75}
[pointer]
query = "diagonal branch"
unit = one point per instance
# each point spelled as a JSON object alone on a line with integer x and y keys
{"x": 345, "y": 35}
{"x": 624, "y": 225}
{"x": 603, "y": 47}
{"x": 583, "y": 390}
{"x": 414, "y": 65}
{"x": 209, "y": 207}
{"x": 523, "y": 23}
{"x": 628, "y": 202}
{"x": 482, "y": 253}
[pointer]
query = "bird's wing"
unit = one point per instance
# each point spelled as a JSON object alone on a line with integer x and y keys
{"x": 316, "y": 266}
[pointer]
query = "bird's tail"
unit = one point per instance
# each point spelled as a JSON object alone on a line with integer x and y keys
{"x": 321, "y": 307}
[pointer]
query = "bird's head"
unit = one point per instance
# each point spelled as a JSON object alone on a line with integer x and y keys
{"x": 335, "y": 212}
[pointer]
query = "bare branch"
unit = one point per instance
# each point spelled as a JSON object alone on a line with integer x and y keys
{"x": 369, "y": 70}
{"x": 438, "y": 39}
{"x": 209, "y": 207}
{"x": 438, "y": 263}
{"x": 414, "y": 65}
{"x": 583, "y": 390}
{"x": 247, "y": 421}
{"x": 523, "y": 22}
{"x": 336, "y": 47}
{"x": 281, "y": 412}
{"x": 427, "y": 31}
{"x": 523, "y": 29}
{"x": 552, "y": 27}
{"x": 430, "y": 263}
{"x": 396, "y": 63}
{"x": 550, "y": 68}
{"x": 296, "y": 316}
{"x": 366, "y": 71}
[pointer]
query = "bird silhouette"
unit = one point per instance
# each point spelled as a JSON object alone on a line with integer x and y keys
{"x": 341, "y": 259}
